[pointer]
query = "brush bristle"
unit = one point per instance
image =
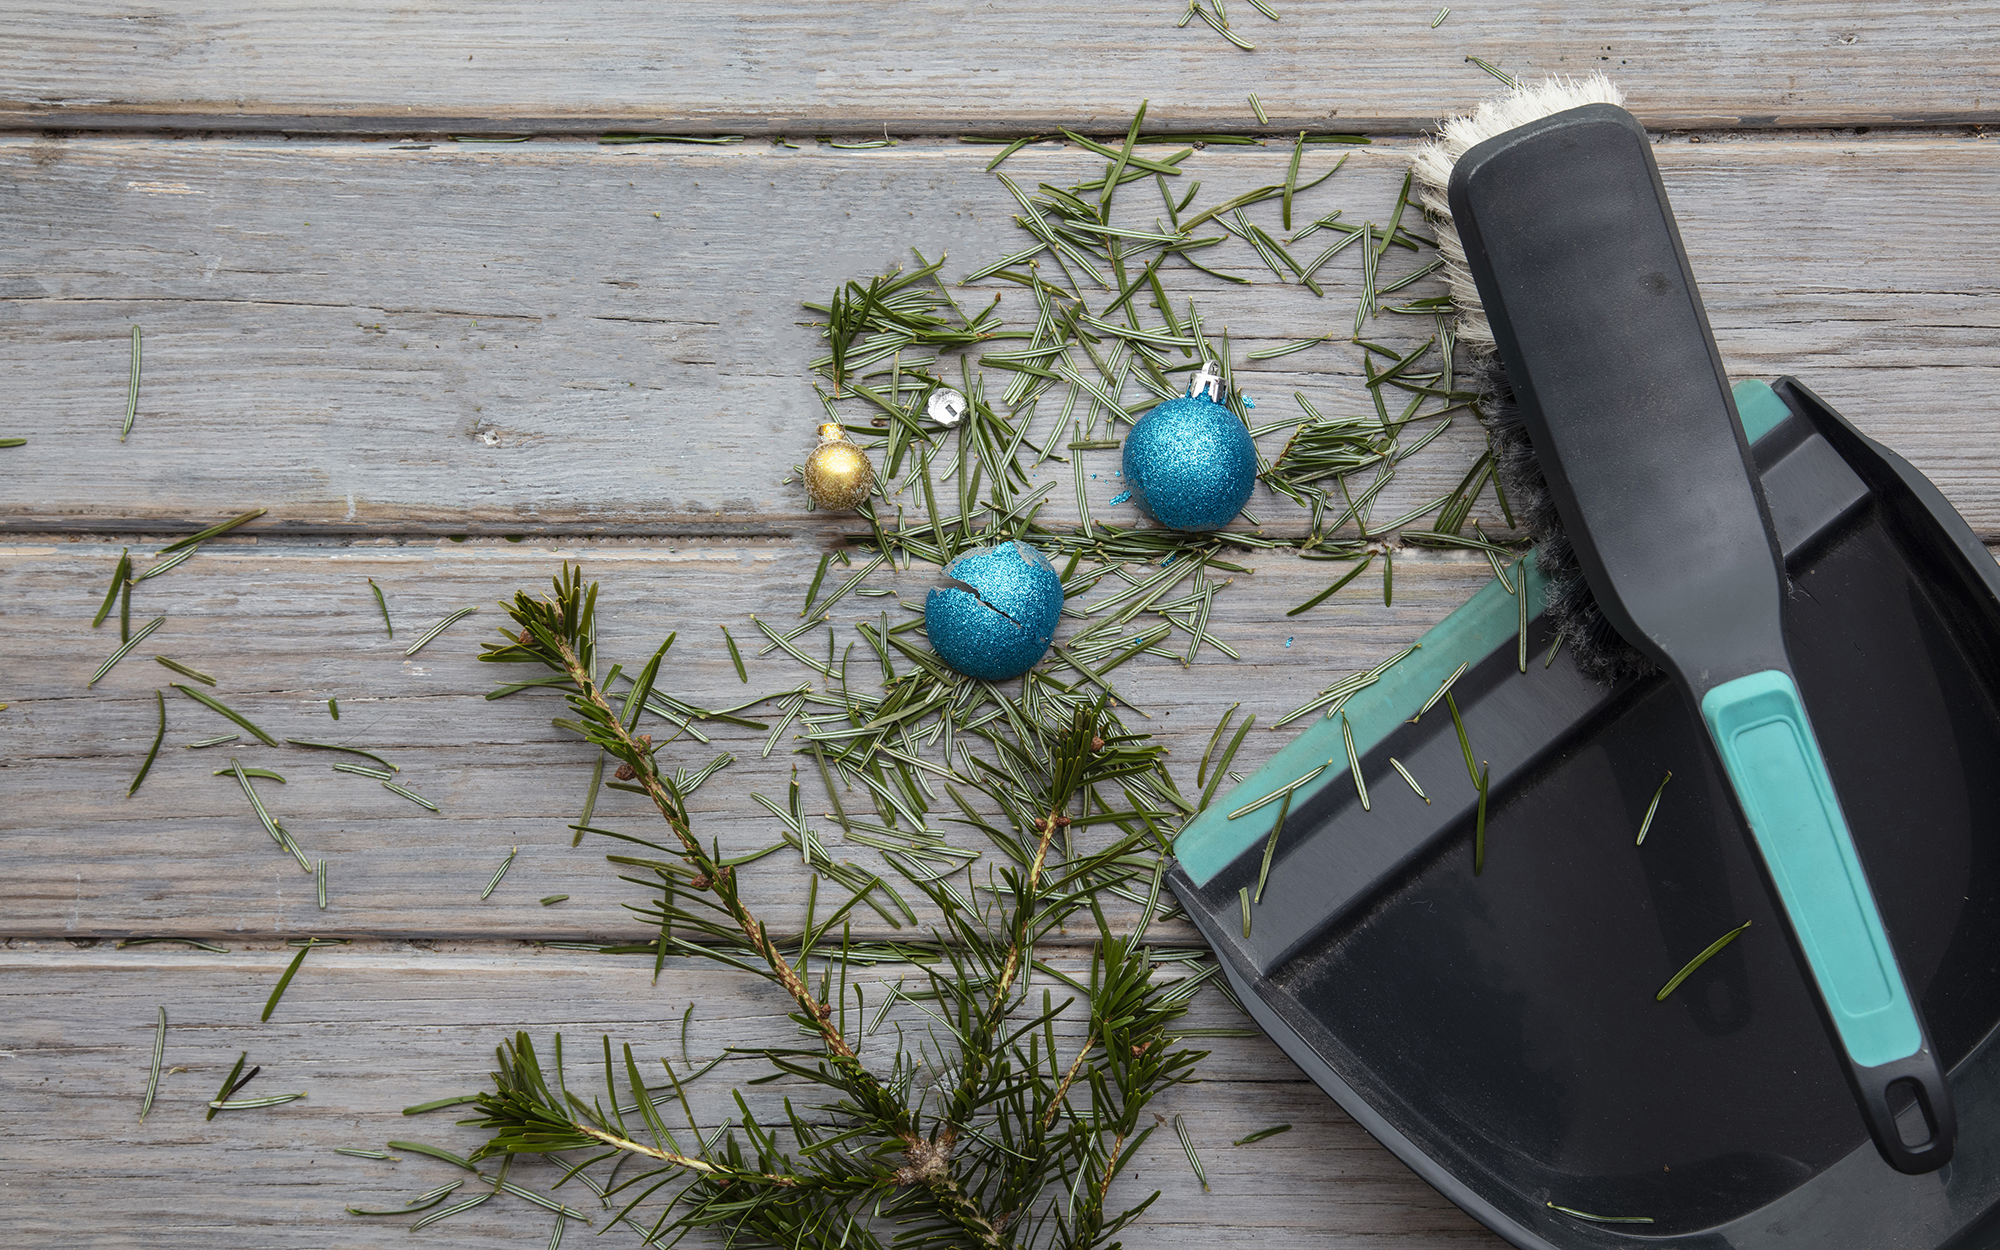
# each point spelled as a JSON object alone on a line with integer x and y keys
{"x": 1454, "y": 138}
{"x": 1594, "y": 646}
{"x": 1592, "y": 643}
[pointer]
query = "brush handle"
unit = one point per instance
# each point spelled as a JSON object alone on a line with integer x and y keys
{"x": 1599, "y": 323}
{"x": 1767, "y": 746}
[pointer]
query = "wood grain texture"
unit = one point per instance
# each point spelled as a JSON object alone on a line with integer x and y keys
{"x": 285, "y": 627}
{"x": 798, "y": 66}
{"x": 563, "y": 339}
{"x": 368, "y": 1030}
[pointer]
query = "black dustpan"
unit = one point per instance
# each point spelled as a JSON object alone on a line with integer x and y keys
{"x": 1500, "y": 1033}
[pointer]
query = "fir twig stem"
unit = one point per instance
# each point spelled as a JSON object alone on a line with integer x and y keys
{"x": 637, "y": 755}
{"x": 692, "y": 1164}
{"x": 1069, "y": 1077}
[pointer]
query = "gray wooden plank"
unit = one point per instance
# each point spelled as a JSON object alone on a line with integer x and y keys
{"x": 370, "y": 1029}
{"x": 453, "y": 339}
{"x": 286, "y": 626}
{"x": 793, "y": 66}
{"x": 477, "y": 361}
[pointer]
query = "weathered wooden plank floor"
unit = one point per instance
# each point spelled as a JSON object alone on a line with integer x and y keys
{"x": 388, "y": 343}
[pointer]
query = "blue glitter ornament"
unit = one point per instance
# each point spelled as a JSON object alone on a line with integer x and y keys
{"x": 1189, "y": 462}
{"x": 995, "y": 611}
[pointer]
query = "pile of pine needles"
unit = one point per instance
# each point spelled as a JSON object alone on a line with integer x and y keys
{"x": 1004, "y": 1110}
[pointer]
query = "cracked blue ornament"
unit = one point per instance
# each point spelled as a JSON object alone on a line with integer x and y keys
{"x": 1189, "y": 462}
{"x": 993, "y": 614}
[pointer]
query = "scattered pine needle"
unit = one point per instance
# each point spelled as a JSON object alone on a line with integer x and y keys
{"x": 231, "y": 1083}
{"x": 1602, "y": 1219}
{"x": 271, "y": 1004}
{"x": 1652, "y": 809}
{"x": 1496, "y": 71}
{"x": 1714, "y": 948}
{"x": 220, "y": 527}
{"x": 159, "y": 1053}
{"x": 132, "y": 389}
{"x": 411, "y": 795}
{"x": 334, "y": 746}
{"x": 498, "y": 873}
{"x": 216, "y": 705}
{"x": 437, "y": 629}
{"x": 383, "y": 604}
{"x": 251, "y": 1104}
{"x": 184, "y": 670}
{"x": 1187, "y": 1144}
{"x": 1262, "y": 1133}
{"x": 160, "y": 700}
{"x": 145, "y": 631}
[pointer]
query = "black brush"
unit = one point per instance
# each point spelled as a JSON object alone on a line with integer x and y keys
{"x": 1572, "y": 610}
{"x": 1614, "y": 427}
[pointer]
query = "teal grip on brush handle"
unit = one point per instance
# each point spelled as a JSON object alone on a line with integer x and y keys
{"x": 1773, "y": 760}
{"x": 1766, "y": 743}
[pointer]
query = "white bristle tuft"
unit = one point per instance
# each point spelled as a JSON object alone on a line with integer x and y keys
{"x": 1435, "y": 160}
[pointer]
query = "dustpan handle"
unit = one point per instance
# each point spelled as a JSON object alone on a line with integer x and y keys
{"x": 1768, "y": 748}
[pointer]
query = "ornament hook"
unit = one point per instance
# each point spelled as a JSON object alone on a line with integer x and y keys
{"x": 946, "y": 407}
{"x": 1208, "y": 384}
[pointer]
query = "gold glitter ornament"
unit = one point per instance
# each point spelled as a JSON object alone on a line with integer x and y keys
{"x": 838, "y": 475}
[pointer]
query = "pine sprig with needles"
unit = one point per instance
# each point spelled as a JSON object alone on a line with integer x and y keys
{"x": 985, "y": 1136}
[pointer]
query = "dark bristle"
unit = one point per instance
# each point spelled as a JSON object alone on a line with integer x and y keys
{"x": 1588, "y": 637}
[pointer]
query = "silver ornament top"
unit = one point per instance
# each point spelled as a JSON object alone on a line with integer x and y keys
{"x": 1208, "y": 384}
{"x": 946, "y": 407}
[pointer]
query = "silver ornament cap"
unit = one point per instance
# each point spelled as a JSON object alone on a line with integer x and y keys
{"x": 946, "y": 407}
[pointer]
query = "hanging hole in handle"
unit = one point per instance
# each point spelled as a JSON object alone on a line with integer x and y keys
{"x": 1910, "y": 1107}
